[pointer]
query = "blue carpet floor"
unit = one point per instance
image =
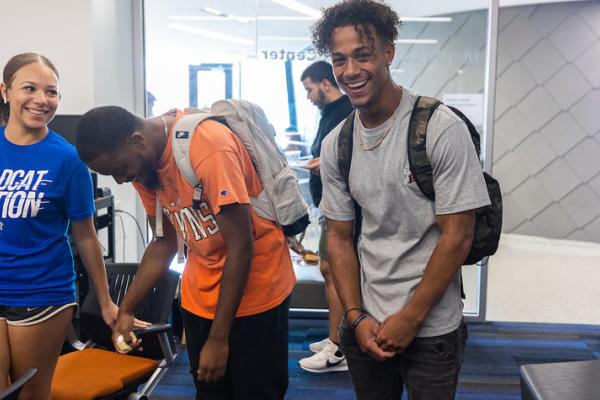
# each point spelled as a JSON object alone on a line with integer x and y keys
{"x": 494, "y": 353}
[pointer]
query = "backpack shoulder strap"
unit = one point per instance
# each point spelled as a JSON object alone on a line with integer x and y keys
{"x": 345, "y": 146}
{"x": 184, "y": 130}
{"x": 417, "y": 152}
{"x": 475, "y": 138}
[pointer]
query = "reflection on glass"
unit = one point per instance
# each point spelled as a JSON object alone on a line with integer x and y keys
{"x": 440, "y": 52}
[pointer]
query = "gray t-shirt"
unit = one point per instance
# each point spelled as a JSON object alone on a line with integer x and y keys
{"x": 399, "y": 229}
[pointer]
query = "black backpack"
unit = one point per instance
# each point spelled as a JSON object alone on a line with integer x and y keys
{"x": 488, "y": 220}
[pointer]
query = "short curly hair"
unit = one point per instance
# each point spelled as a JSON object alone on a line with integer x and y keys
{"x": 104, "y": 130}
{"x": 358, "y": 13}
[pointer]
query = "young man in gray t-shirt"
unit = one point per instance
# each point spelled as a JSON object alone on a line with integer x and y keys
{"x": 400, "y": 285}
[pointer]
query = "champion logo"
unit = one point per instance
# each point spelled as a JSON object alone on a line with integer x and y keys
{"x": 182, "y": 134}
{"x": 409, "y": 177}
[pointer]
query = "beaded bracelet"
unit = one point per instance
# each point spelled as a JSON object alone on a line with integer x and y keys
{"x": 348, "y": 311}
{"x": 357, "y": 321}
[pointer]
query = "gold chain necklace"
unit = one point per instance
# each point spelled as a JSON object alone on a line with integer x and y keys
{"x": 360, "y": 135}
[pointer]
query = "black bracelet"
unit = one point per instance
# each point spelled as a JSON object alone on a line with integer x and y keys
{"x": 348, "y": 311}
{"x": 357, "y": 321}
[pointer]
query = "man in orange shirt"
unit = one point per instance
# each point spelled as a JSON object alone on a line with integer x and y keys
{"x": 238, "y": 276}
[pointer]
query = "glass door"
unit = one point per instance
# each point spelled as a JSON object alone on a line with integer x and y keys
{"x": 200, "y": 50}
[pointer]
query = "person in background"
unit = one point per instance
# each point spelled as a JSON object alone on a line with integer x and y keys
{"x": 150, "y": 101}
{"x": 44, "y": 189}
{"x": 323, "y": 91}
{"x": 400, "y": 283}
{"x": 238, "y": 277}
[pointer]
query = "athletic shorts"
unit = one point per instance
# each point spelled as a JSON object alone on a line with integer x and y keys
{"x": 323, "y": 254}
{"x": 26, "y": 316}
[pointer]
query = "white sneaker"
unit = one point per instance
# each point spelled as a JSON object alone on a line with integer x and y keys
{"x": 329, "y": 359}
{"x": 318, "y": 346}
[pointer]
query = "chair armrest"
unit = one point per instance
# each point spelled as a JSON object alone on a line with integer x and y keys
{"x": 163, "y": 339}
{"x": 154, "y": 328}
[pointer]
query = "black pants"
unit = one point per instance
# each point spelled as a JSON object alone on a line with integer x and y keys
{"x": 429, "y": 367}
{"x": 257, "y": 367}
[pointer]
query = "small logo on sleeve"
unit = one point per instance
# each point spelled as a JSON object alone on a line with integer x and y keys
{"x": 409, "y": 177}
{"x": 224, "y": 193}
{"x": 182, "y": 134}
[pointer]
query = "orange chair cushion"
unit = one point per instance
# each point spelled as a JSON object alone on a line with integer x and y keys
{"x": 92, "y": 373}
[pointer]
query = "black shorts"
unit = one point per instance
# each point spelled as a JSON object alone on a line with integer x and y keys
{"x": 257, "y": 368}
{"x": 25, "y": 316}
{"x": 323, "y": 254}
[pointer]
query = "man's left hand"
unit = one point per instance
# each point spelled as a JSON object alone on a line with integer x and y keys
{"x": 109, "y": 314}
{"x": 397, "y": 332}
{"x": 213, "y": 360}
{"x": 314, "y": 165}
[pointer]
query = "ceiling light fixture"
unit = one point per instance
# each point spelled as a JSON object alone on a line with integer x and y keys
{"x": 308, "y": 39}
{"x": 247, "y": 19}
{"x": 416, "y": 41}
{"x": 241, "y": 18}
{"x": 211, "y": 34}
{"x": 221, "y": 14}
{"x": 426, "y": 19}
{"x": 286, "y": 18}
{"x": 213, "y": 11}
{"x": 299, "y": 7}
{"x": 286, "y": 38}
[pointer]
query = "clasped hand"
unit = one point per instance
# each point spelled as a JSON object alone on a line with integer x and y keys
{"x": 396, "y": 333}
{"x": 123, "y": 325}
{"x": 385, "y": 340}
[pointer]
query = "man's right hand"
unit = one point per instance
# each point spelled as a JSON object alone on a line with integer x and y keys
{"x": 314, "y": 165}
{"x": 122, "y": 330}
{"x": 366, "y": 334}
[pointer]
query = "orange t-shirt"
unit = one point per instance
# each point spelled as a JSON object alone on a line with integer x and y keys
{"x": 228, "y": 177}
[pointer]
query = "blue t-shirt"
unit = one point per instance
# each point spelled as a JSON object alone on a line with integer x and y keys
{"x": 42, "y": 187}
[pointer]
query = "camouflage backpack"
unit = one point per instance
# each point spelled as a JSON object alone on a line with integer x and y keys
{"x": 488, "y": 220}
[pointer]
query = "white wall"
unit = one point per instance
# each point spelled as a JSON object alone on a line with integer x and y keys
{"x": 60, "y": 30}
{"x": 91, "y": 44}
{"x": 114, "y": 84}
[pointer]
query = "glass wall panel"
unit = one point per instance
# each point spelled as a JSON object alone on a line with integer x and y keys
{"x": 198, "y": 51}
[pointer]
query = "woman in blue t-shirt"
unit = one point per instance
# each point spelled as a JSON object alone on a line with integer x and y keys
{"x": 44, "y": 186}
